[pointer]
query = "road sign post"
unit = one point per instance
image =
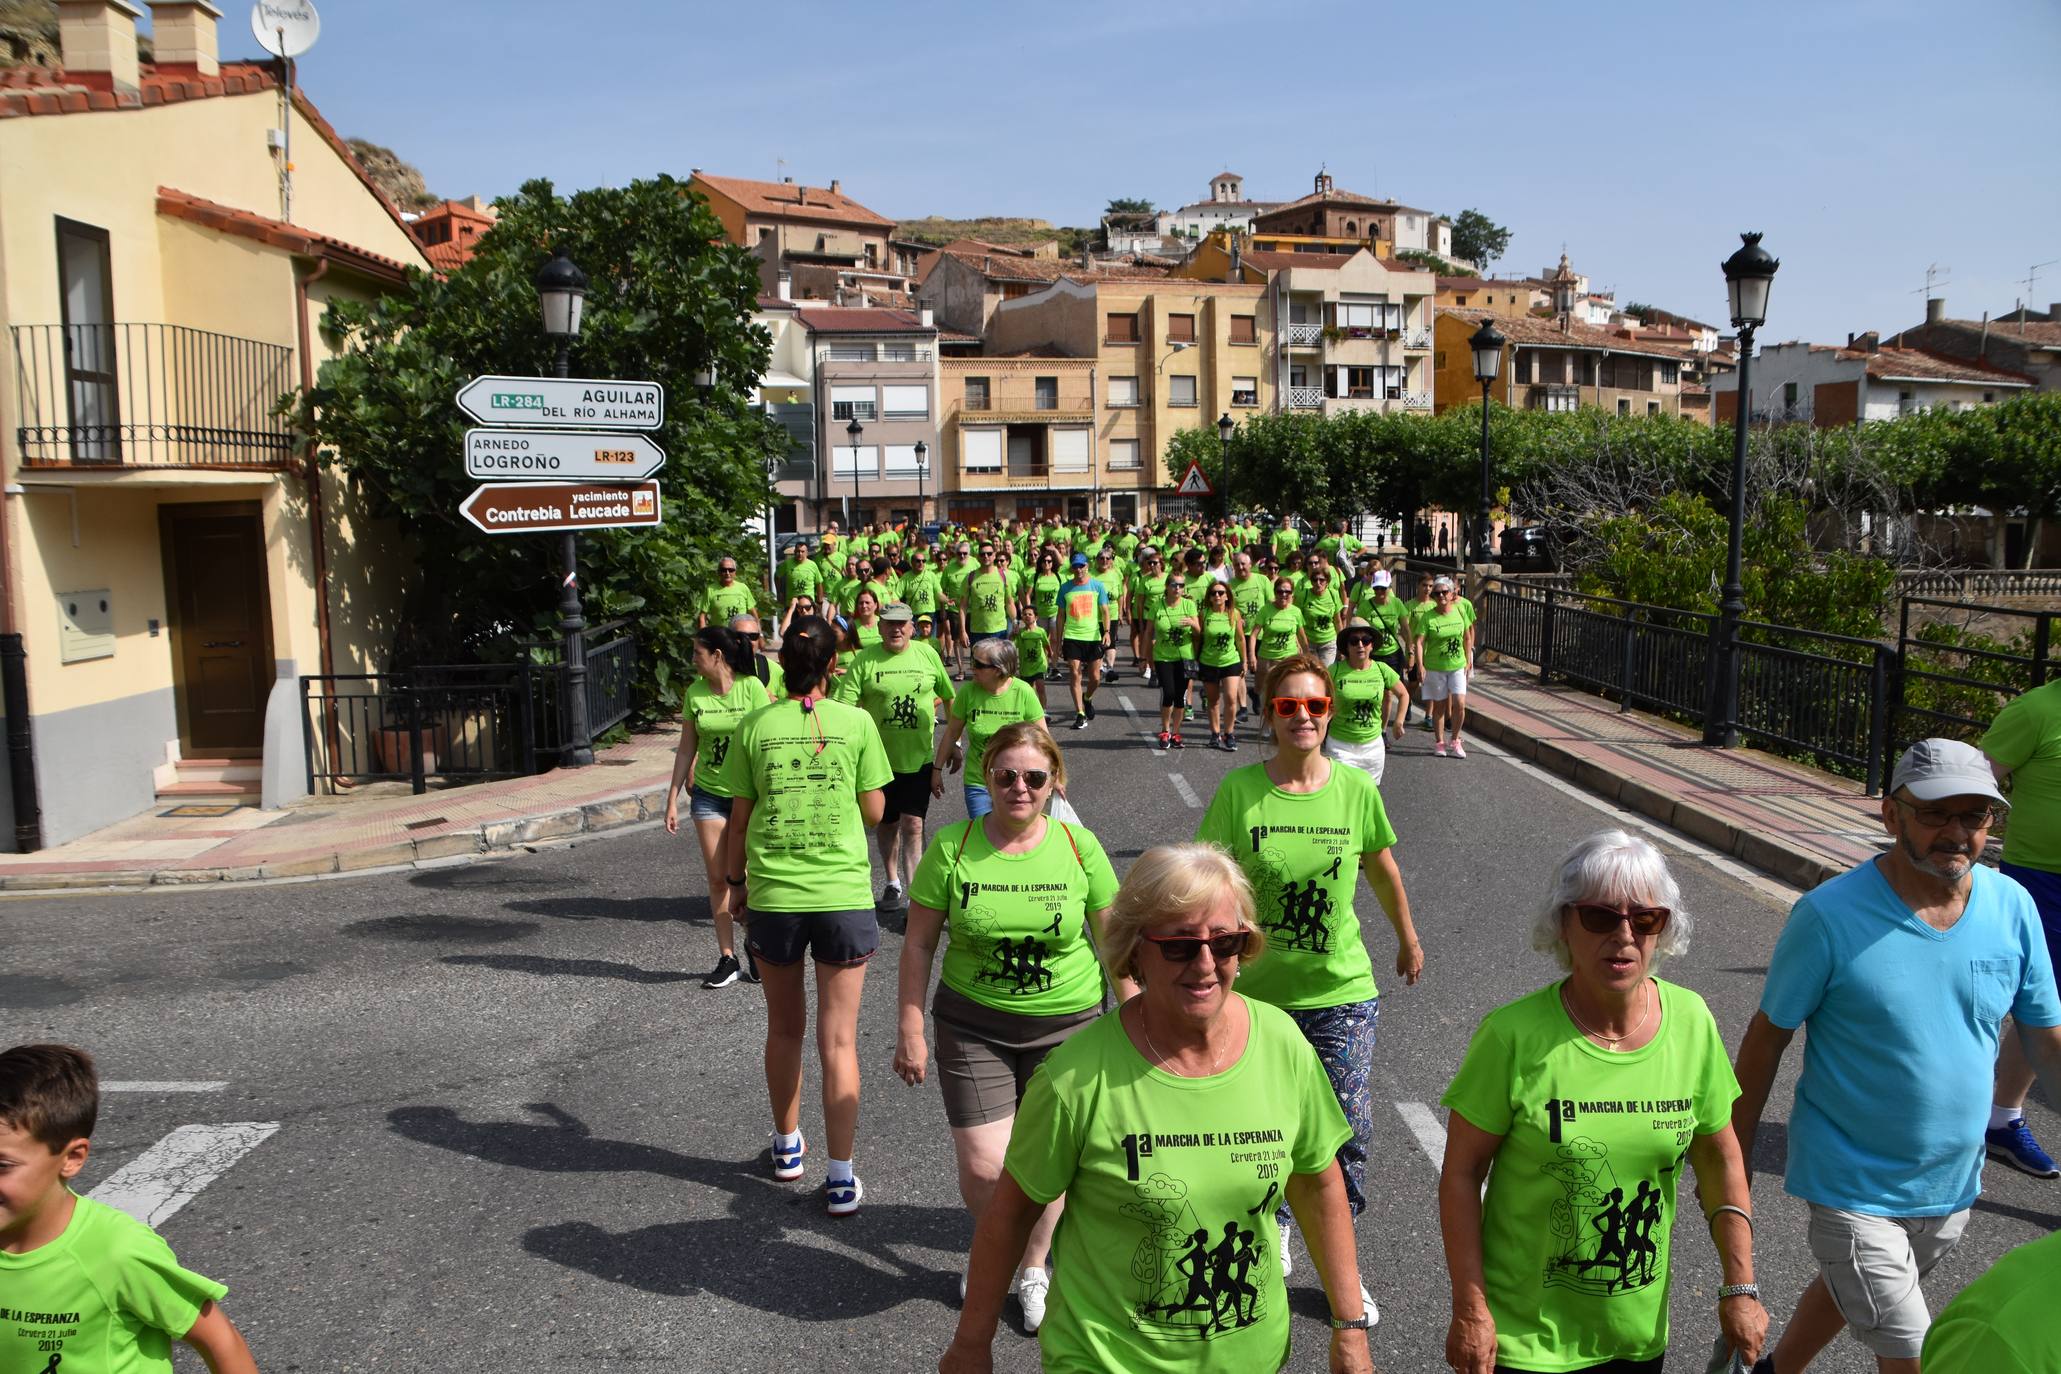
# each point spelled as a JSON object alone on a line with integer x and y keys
{"x": 1194, "y": 482}
{"x": 561, "y": 507}
{"x": 564, "y": 402}
{"x": 554, "y": 454}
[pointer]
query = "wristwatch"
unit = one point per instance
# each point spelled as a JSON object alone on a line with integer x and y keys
{"x": 1363, "y": 1322}
{"x": 1739, "y": 1290}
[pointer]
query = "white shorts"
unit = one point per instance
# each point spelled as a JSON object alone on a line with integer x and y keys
{"x": 1872, "y": 1264}
{"x": 1439, "y": 686}
{"x": 1370, "y": 758}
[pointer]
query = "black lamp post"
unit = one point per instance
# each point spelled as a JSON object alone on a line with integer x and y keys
{"x": 851, "y": 517}
{"x": 1224, "y": 427}
{"x": 1487, "y": 344}
{"x": 1749, "y": 274}
{"x": 562, "y": 291}
{"x": 922, "y": 471}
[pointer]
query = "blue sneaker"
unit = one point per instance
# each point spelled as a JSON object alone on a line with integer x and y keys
{"x": 841, "y": 1196}
{"x": 2015, "y": 1146}
{"x": 787, "y": 1164}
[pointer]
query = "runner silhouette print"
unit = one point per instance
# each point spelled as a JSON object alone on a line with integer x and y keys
{"x": 1604, "y": 1239}
{"x": 1194, "y": 1283}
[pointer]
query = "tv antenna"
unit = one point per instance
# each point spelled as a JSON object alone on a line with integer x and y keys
{"x": 285, "y": 29}
{"x": 1933, "y": 280}
{"x": 2030, "y": 281}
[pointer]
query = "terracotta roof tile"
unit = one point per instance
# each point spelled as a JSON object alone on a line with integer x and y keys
{"x": 2032, "y": 331}
{"x": 1527, "y": 329}
{"x": 290, "y": 237}
{"x": 801, "y": 202}
{"x": 1916, "y": 365}
{"x": 1007, "y": 267}
{"x": 848, "y": 319}
{"x": 1319, "y": 262}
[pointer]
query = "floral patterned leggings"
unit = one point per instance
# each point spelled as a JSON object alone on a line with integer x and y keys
{"x": 1344, "y": 1040}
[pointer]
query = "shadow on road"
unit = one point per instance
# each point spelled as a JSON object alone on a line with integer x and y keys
{"x": 568, "y": 968}
{"x": 457, "y": 930}
{"x": 2046, "y": 1221}
{"x": 645, "y": 909}
{"x": 771, "y": 1233}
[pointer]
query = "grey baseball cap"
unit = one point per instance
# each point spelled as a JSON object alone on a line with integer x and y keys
{"x": 1933, "y": 769}
{"x": 895, "y": 611}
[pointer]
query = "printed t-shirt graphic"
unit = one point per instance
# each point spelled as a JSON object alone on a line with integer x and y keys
{"x": 1082, "y": 604}
{"x": 1171, "y": 639}
{"x": 1146, "y": 595}
{"x": 1250, "y": 595}
{"x": 1017, "y": 924}
{"x": 1045, "y": 595}
{"x": 106, "y": 1297}
{"x": 1576, "y": 1220}
{"x": 722, "y": 602}
{"x": 1384, "y": 615}
{"x": 1301, "y": 851}
{"x": 900, "y": 692}
{"x": 1320, "y": 613}
{"x": 1277, "y": 626}
{"x": 799, "y": 577}
{"x": 1033, "y": 651}
{"x": 920, "y": 592}
{"x": 954, "y": 578}
{"x": 1445, "y": 639}
{"x": 1169, "y": 1247}
{"x": 1220, "y": 647}
{"x": 987, "y": 603}
{"x": 1356, "y": 701}
{"x": 805, "y": 848}
{"x": 715, "y": 721}
{"x": 986, "y": 712}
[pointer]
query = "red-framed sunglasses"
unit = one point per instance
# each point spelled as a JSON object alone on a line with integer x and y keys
{"x": 1317, "y": 707}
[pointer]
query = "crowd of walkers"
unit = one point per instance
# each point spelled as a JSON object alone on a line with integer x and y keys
{"x": 1158, "y": 1084}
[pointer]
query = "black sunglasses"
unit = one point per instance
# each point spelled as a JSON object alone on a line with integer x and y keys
{"x": 1599, "y": 919}
{"x": 1182, "y": 949}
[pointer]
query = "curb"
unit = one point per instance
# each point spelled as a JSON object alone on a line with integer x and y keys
{"x": 1797, "y": 867}
{"x": 519, "y": 833}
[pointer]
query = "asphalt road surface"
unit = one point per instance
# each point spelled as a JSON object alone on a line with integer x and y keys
{"x": 486, "y": 1118}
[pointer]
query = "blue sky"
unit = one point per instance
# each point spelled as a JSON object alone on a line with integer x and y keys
{"x": 1866, "y": 140}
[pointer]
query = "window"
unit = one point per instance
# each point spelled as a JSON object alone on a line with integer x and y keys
{"x": 901, "y": 460}
{"x": 898, "y": 353}
{"x": 1243, "y": 329}
{"x": 1388, "y": 381}
{"x": 1123, "y": 454}
{"x": 1014, "y": 290}
{"x": 976, "y": 393}
{"x": 1122, "y": 328}
{"x": 905, "y": 402}
{"x": 852, "y": 403}
{"x": 1180, "y": 329}
{"x": 980, "y": 450}
{"x": 1298, "y": 376}
{"x": 1069, "y": 450}
{"x": 864, "y": 460}
{"x": 1524, "y": 366}
{"x": 1046, "y": 392}
{"x": 1670, "y": 374}
{"x": 1123, "y": 392}
{"x": 1789, "y": 395}
{"x": 1585, "y": 370}
{"x": 1180, "y": 391}
{"x": 1624, "y": 406}
{"x": 1653, "y": 407}
{"x": 1438, "y": 361}
{"x": 1359, "y": 319}
{"x": 1459, "y": 300}
{"x": 764, "y": 234}
{"x": 1359, "y": 383}
{"x": 850, "y": 353}
{"x": 1245, "y": 391}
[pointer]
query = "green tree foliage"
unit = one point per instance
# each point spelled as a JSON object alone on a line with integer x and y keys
{"x": 1129, "y": 205}
{"x": 1478, "y": 238}
{"x": 667, "y": 298}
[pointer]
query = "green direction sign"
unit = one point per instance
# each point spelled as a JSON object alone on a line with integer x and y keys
{"x": 564, "y": 402}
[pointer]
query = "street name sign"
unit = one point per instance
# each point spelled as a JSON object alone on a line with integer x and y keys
{"x": 564, "y": 402}
{"x": 1193, "y": 483}
{"x": 514, "y": 454}
{"x": 550, "y": 507}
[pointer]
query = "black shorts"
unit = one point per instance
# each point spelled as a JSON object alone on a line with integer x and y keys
{"x": 1081, "y": 650}
{"x": 907, "y": 794}
{"x": 1205, "y": 672}
{"x": 1173, "y": 680}
{"x": 784, "y": 938}
{"x": 1396, "y": 661}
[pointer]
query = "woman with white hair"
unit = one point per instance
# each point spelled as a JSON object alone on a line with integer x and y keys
{"x": 1586, "y": 1097}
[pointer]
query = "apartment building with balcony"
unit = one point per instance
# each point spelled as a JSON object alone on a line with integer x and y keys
{"x": 1556, "y": 364}
{"x": 968, "y": 280}
{"x": 1329, "y": 212}
{"x": 1019, "y": 435}
{"x": 171, "y": 563}
{"x": 1167, "y": 355}
{"x": 830, "y": 246}
{"x": 879, "y": 369}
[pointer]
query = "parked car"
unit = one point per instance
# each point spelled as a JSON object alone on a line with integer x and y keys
{"x": 1530, "y": 548}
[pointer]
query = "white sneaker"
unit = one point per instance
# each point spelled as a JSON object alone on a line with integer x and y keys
{"x": 1287, "y": 1254}
{"x": 1367, "y": 1304}
{"x": 1031, "y": 1287}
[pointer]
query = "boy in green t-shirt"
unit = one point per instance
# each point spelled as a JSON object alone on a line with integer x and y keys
{"x": 84, "y": 1283}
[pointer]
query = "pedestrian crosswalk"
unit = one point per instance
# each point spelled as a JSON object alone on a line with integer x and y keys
{"x": 156, "y": 1184}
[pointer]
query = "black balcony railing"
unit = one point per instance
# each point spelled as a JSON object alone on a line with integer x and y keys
{"x": 148, "y": 395}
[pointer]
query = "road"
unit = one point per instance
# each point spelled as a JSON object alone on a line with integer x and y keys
{"x": 512, "y": 1131}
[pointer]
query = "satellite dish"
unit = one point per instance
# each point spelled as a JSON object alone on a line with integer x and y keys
{"x": 285, "y": 28}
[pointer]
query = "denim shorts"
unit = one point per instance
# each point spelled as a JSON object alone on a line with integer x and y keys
{"x": 2045, "y": 888}
{"x": 706, "y": 806}
{"x": 978, "y": 803}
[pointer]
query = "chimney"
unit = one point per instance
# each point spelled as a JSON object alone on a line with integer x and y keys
{"x": 1935, "y": 309}
{"x": 97, "y": 41}
{"x": 785, "y": 288}
{"x": 1870, "y": 342}
{"x": 926, "y": 317}
{"x": 836, "y": 187}
{"x": 183, "y": 32}
{"x": 2054, "y": 312}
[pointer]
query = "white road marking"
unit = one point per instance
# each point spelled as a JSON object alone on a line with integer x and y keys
{"x": 168, "y": 1085}
{"x": 1423, "y": 1124}
{"x": 1124, "y": 700}
{"x": 164, "y": 1178}
{"x": 1187, "y": 793}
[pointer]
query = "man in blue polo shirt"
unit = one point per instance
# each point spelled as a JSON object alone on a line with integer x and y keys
{"x": 1904, "y": 969}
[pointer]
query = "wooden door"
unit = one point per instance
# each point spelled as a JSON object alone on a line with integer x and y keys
{"x": 221, "y": 626}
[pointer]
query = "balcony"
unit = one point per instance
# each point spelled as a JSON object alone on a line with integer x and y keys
{"x": 1305, "y": 335}
{"x": 1306, "y": 398}
{"x": 1416, "y": 400}
{"x": 1416, "y": 338}
{"x": 148, "y": 395}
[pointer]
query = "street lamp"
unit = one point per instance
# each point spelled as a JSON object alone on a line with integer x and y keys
{"x": 1224, "y": 428}
{"x": 1487, "y": 344}
{"x": 562, "y": 292}
{"x": 854, "y": 430}
{"x": 1749, "y": 275}
{"x": 922, "y": 470}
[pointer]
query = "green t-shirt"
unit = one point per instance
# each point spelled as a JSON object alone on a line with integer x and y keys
{"x": 1386, "y": 616}
{"x": 1445, "y": 639}
{"x": 1045, "y": 595}
{"x": 1276, "y": 627}
{"x": 775, "y": 681}
{"x": 920, "y": 591}
{"x": 1033, "y": 651}
{"x": 1580, "y": 1203}
{"x": 1170, "y": 638}
{"x": 1357, "y": 699}
{"x": 987, "y": 603}
{"x": 1126, "y": 544}
{"x": 1301, "y": 851}
{"x": 799, "y": 577}
{"x": 986, "y": 712}
{"x": 1146, "y": 595}
{"x": 1251, "y": 595}
{"x": 715, "y": 722}
{"x": 805, "y": 847}
{"x": 2006, "y": 1322}
{"x": 1220, "y": 646}
{"x": 106, "y": 1297}
{"x": 1414, "y": 613}
{"x": 1286, "y": 541}
{"x": 953, "y": 579}
{"x": 1017, "y": 924}
{"x": 1167, "y": 1260}
{"x": 1320, "y": 613}
{"x": 2026, "y": 738}
{"x": 719, "y": 603}
{"x": 900, "y": 691}
{"x": 1082, "y": 606}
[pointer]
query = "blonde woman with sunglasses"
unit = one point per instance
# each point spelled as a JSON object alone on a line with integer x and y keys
{"x": 1304, "y": 828}
{"x": 1023, "y": 898}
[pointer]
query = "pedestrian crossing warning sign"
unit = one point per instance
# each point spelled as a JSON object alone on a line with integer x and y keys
{"x": 1193, "y": 483}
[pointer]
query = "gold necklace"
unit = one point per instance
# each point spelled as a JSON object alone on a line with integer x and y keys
{"x": 1146, "y": 1031}
{"x": 1610, "y": 1042}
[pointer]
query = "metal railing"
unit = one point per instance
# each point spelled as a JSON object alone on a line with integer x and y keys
{"x": 1979, "y": 584}
{"x": 1416, "y": 338}
{"x": 611, "y": 675}
{"x": 1947, "y": 687}
{"x": 1306, "y": 398}
{"x": 1416, "y": 400}
{"x": 1305, "y": 335}
{"x": 148, "y": 395}
{"x": 459, "y": 723}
